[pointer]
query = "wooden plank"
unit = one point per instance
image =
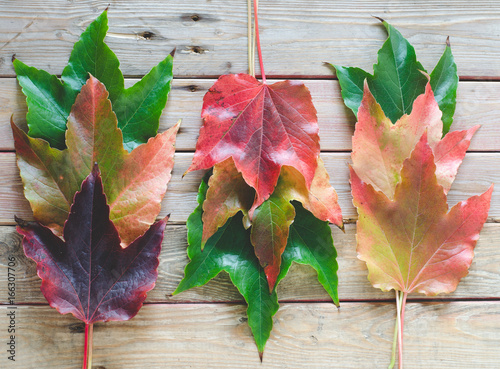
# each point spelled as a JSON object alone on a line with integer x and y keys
{"x": 477, "y": 104}
{"x": 459, "y": 335}
{"x": 474, "y": 177}
{"x": 300, "y": 284}
{"x": 211, "y": 38}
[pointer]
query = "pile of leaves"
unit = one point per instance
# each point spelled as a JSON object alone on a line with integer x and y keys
{"x": 268, "y": 200}
{"x": 401, "y": 174}
{"x": 94, "y": 171}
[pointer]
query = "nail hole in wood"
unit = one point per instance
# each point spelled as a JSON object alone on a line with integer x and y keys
{"x": 147, "y": 35}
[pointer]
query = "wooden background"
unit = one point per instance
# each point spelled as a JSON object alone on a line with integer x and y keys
{"x": 206, "y": 327}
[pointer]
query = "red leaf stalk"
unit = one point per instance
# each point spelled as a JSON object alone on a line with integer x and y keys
{"x": 87, "y": 353}
{"x": 256, "y": 10}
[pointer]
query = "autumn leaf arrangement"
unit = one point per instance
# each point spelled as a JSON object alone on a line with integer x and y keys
{"x": 267, "y": 200}
{"x": 94, "y": 171}
{"x": 404, "y": 162}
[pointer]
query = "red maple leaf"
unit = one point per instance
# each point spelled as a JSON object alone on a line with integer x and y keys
{"x": 262, "y": 127}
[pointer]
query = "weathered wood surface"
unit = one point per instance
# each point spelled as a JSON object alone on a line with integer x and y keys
{"x": 460, "y": 335}
{"x": 475, "y": 176}
{"x": 210, "y": 35}
{"x": 477, "y": 104}
{"x": 206, "y": 327}
{"x": 301, "y": 283}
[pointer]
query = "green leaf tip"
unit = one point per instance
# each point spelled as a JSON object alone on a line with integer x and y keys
{"x": 444, "y": 83}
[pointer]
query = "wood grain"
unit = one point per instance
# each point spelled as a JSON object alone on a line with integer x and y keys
{"x": 459, "y": 335}
{"x": 295, "y": 42}
{"x": 474, "y": 177}
{"x": 300, "y": 284}
{"x": 477, "y": 104}
{"x": 206, "y": 327}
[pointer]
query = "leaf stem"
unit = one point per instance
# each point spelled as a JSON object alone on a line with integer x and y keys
{"x": 251, "y": 47}
{"x": 399, "y": 298}
{"x": 256, "y": 10}
{"x": 87, "y": 353}
{"x": 253, "y": 44}
{"x": 402, "y": 317}
{"x": 398, "y": 307}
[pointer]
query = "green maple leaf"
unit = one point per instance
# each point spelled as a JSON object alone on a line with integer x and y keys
{"x": 310, "y": 242}
{"x": 230, "y": 250}
{"x": 397, "y": 80}
{"x": 50, "y": 99}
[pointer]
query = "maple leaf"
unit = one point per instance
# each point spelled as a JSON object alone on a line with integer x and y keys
{"x": 229, "y": 249}
{"x": 50, "y": 99}
{"x": 397, "y": 81}
{"x": 89, "y": 274}
{"x": 134, "y": 183}
{"x": 320, "y": 199}
{"x": 228, "y": 194}
{"x": 380, "y": 147}
{"x": 269, "y": 233}
{"x": 310, "y": 242}
{"x": 262, "y": 127}
{"x": 412, "y": 242}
